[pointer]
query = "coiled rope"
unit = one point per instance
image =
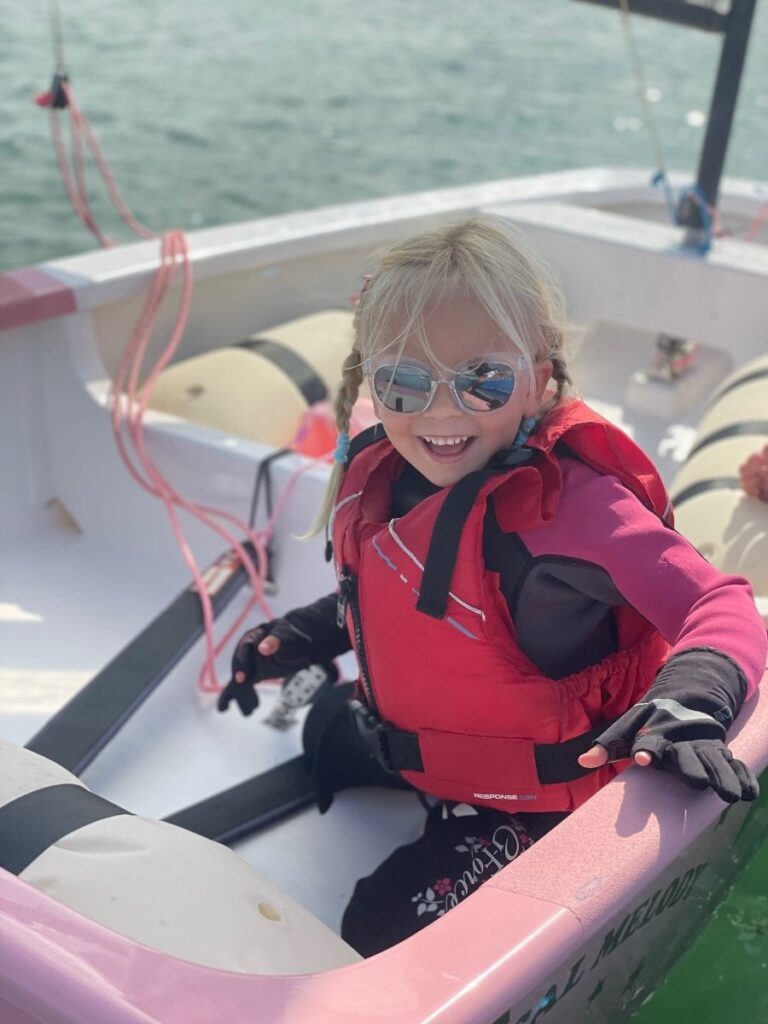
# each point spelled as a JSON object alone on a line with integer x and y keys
{"x": 128, "y": 401}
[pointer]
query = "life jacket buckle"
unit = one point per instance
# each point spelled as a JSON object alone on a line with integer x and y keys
{"x": 372, "y": 733}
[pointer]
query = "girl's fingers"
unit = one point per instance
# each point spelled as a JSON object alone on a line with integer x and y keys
{"x": 269, "y": 645}
{"x": 595, "y": 757}
{"x": 244, "y": 654}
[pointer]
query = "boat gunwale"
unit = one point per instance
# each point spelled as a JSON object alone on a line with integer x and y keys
{"x": 524, "y": 925}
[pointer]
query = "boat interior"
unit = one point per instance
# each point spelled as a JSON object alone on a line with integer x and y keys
{"x": 88, "y": 558}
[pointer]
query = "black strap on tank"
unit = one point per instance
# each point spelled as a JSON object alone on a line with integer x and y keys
{"x": 746, "y": 379}
{"x": 721, "y": 483}
{"x": 446, "y": 535}
{"x": 303, "y": 375}
{"x": 33, "y": 822}
{"x": 753, "y": 427}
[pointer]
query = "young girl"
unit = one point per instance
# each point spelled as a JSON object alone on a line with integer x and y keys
{"x": 522, "y": 611}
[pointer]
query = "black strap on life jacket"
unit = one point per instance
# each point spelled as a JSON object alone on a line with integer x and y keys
{"x": 33, "y": 822}
{"x": 399, "y": 751}
{"x": 364, "y": 440}
{"x": 446, "y": 535}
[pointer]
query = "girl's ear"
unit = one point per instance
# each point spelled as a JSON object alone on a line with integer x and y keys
{"x": 542, "y": 374}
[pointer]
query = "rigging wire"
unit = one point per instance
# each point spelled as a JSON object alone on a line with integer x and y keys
{"x": 710, "y": 215}
{"x": 647, "y": 115}
{"x": 57, "y": 37}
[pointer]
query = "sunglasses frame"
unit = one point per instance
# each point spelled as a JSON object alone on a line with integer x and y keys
{"x": 370, "y": 372}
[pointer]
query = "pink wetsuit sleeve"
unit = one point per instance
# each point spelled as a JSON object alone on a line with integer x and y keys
{"x": 655, "y": 569}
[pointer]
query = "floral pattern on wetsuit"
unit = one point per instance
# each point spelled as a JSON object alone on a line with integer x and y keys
{"x": 485, "y": 856}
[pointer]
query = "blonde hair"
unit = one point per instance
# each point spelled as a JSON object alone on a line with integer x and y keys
{"x": 485, "y": 258}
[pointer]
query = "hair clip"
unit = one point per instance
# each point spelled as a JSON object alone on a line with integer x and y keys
{"x": 356, "y": 299}
{"x": 342, "y": 447}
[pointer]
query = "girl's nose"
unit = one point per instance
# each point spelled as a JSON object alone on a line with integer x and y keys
{"x": 443, "y": 404}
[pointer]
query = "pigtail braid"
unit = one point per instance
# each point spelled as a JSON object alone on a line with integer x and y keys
{"x": 349, "y": 389}
{"x": 346, "y": 396}
{"x": 560, "y": 376}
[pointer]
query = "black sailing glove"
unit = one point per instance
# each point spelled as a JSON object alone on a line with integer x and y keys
{"x": 682, "y": 724}
{"x": 307, "y": 636}
{"x": 294, "y": 653}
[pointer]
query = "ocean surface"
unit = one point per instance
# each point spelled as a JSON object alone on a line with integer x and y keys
{"x": 211, "y": 113}
{"x": 221, "y": 112}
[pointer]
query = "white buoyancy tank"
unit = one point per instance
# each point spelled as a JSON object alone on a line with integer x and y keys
{"x": 260, "y": 388}
{"x": 728, "y": 526}
{"x": 167, "y": 888}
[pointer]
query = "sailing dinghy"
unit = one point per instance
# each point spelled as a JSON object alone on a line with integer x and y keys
{"x": 121, "y": 788}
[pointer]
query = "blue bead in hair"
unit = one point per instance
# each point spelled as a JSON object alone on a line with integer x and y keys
{"x": 342, "y": 447}
{"x": 527, "y": 427}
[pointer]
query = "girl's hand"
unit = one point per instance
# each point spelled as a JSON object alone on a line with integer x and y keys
{"x": 677, "y": 739}
{"x": 270, "y": 651}
{"x": 269, "y": 645}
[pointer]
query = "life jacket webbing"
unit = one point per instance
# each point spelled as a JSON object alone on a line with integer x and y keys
{"x": 362, "y": 440}
{"x": 446, "y": 536}
{"x": 399, "y": 751}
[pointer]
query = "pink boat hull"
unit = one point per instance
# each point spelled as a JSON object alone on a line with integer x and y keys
{"x": 582, "y": 927}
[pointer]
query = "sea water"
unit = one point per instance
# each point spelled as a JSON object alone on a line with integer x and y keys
{"x": 211, "y": 113}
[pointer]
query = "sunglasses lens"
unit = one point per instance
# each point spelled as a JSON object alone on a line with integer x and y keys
{"x": 402, "y": 388}
{"x": 486, "y": 387}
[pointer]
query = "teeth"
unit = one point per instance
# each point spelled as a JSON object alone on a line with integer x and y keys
{"x": 446, "y": 440}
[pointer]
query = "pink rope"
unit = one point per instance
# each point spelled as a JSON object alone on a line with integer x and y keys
{"x": 104, "y": 169}
{"x": 79, "y": 203}
{"x": 129, "y": 401}
{"x": 757, "y": 223}
{"x": 126, "y": 393}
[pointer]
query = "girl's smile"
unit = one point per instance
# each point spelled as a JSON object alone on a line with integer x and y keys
{"x": 447, "y": 449}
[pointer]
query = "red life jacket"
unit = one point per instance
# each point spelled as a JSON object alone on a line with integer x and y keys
{"x": 446, "y": 693}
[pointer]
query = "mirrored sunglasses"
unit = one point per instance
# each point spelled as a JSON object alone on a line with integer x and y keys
{"x": 407, "y": 387}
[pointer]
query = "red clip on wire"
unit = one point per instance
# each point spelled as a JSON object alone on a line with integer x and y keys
{"x": 56, "y": 97}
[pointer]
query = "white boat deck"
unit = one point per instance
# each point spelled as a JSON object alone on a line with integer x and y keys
{"x": 177, "y": 749}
